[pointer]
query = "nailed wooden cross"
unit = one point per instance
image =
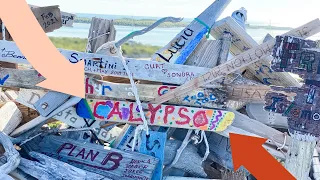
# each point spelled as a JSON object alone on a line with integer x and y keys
{"x": 242, "y": 60}
{"x": 157, "y": 115}
{"x": 108, "y": 162}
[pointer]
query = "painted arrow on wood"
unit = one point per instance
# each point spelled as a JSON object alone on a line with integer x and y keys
{"x": 248, "y": 151}
{"x": 242, "y": 60}
{"x": 157, "y": 115}
{"x": 36, "y": 49}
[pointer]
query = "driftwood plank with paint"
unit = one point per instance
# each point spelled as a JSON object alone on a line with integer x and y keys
{"x": 10, "y": 117}
{"x": 178, "y": 50}
{"x": 48, "y": 168}
{"x": 242, "y": 60}
{"x": 112, "y": 66}
{"x": 111, "y": 163}
{"x": 241, "y": 42}
{"x": 158, "y": 115}
{"x": 202, "y": 97}
{"x": 48, "y": 17}
{"x": 20, "y": 78}
{"x": 67, "y": 19}
{"x": 68, "y": 116}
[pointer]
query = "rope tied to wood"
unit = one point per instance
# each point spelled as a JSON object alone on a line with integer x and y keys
{"x": 204, "y": 24}
{"x": 279, "y": 148}
{"x": 117, "y": 50}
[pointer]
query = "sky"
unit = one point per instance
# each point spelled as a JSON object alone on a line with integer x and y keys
{"x": 291, "y": 13}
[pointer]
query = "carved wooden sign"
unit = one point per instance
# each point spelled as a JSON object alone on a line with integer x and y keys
{"x": 178, "y": 50}
{"x": 108, "y": 162}
{"x": 49, "y": 17}
{"x": 247, "y": 92}
{"x": 157, "y": 115}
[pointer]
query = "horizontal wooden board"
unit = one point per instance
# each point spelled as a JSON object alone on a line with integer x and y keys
{"x": 157, "y": 115}
{"x": 20, "y": 78}
{"x": 69, "y": 116}
{"x": 49, "y": 17}
{"x": 108, "y": 162}
{"x": 112, "y": 66}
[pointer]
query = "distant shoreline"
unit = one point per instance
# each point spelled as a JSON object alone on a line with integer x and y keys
{"x": 148, "y": 22}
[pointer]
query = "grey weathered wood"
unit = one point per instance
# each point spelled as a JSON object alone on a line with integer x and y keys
{"x": 100, "y": 32}
{"x": 231, "y": 175}
{"x": 10, "y": 117}
{"x": 11, "y": 154}
{"x": 225, "y": 46}
{"x": 5, "y": 177}
{"x": 40, "y": 119}
{"x": 256, "y": 111}
{"x": 49, "y": 102}
{"x": 299, "y": 156}
{"x": 68, "y": 116}
{"x": 111, "y": 163}
{"x": 48, "y": 168}
{"x": 66, "y": 18}
{"x": 236, "y": 63}
{"x": 20, "y": 78}
{"x": 315, "y": 165}
{"x": 49, "y": 17}
{"x": 189, "y": 161}
{"x": 189, "y": 38}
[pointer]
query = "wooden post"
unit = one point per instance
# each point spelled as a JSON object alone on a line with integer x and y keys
{"x": 299, "y": 155}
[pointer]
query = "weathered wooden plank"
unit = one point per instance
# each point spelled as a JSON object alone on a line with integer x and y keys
{"x": 242, "y": 41}
{"x": 48, "y": 168}
{"x": 10, "y": 117}
{"x": 49, "y": 102}
{"x": 20, "y": 78}
{"x": 112, "y": 66}
{"x": 108, "y": 162}
{"x": 154, "y": 145}
{"x": 66, "y": 18}
{"x": 248, "y": 93}
{"x": 158, "y": 115}
{"x": 49, "y": 17}
{"x": 10, "y": 153}
{"x": 178, "y": 50}
{"x": 68, "y": 116}
{"x": 202, "y": 97}
{"x": 256, "y": 111}
{"x": 242, "y": 60}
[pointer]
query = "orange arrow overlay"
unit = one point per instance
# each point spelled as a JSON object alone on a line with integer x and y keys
{"x": 60, "y": 74}
{"x": 248, "y": 151}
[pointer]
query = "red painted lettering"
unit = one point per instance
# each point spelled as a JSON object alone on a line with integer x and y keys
{"x": 81, "y": 153}
{"x": 95, "y": 109}
{"x": 93, "y": 156}
{"x": 200, "y": 119}
{"x": 168, "y": 110}
{"x": 64, "y": 146}
{"x": 131, "y": 118}
{"x": 89, "y": 86}
{"x": 153, "y": 111}
{"x": 115, "y": 158}
{"x": 187, "y": 119}
{"x": 115, "y": 110}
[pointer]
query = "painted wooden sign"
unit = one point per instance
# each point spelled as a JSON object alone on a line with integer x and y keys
{"x": 178, "y": 50}
{"x": 242, "y": 60}
{"x": 68, "y": 116}
{"x": 202, "y": 97}
{"x": 154, "y": 145}
{"x": 19, "y": 78}
{"x": 248, "y": 93}
{"x": 157, "y": 115}
{"x": 67, "y": 19}
{"x": 49, "y": 17}
{"x": 303, "y": 110}
{"x": 111, "y": 163}
{"x": 112, "y": 66}
{"x": 242, "y": 41}
{"x": 297, "y": 56}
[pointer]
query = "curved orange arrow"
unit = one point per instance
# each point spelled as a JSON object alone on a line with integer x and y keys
{"x": 32, "y": 41}
{"x": 248, "y": 151}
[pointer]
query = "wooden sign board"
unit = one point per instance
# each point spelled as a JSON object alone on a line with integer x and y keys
{"x": 242, "y": 60}
{"x": 20, "y": 78}
{"x": 111, "y": 163}
{"x": 112, "y": 66}
{"x": 295, "y": 55}
{"x": 49, "y": 17}
{"x": 247, "y": 92}
{"x": 202, "y": 97}
{"x": 69, "y": 116}
{"x": 303, "y": 111}
{"x": 67, "y": 19}
{"x": 178, "y": 50}
{"x": 157, "y": 115}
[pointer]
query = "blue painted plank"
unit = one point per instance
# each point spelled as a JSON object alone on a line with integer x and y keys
{"x": 154, "y": 145}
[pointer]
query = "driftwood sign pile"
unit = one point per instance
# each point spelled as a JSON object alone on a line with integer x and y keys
{"x": 166, "y": 118}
